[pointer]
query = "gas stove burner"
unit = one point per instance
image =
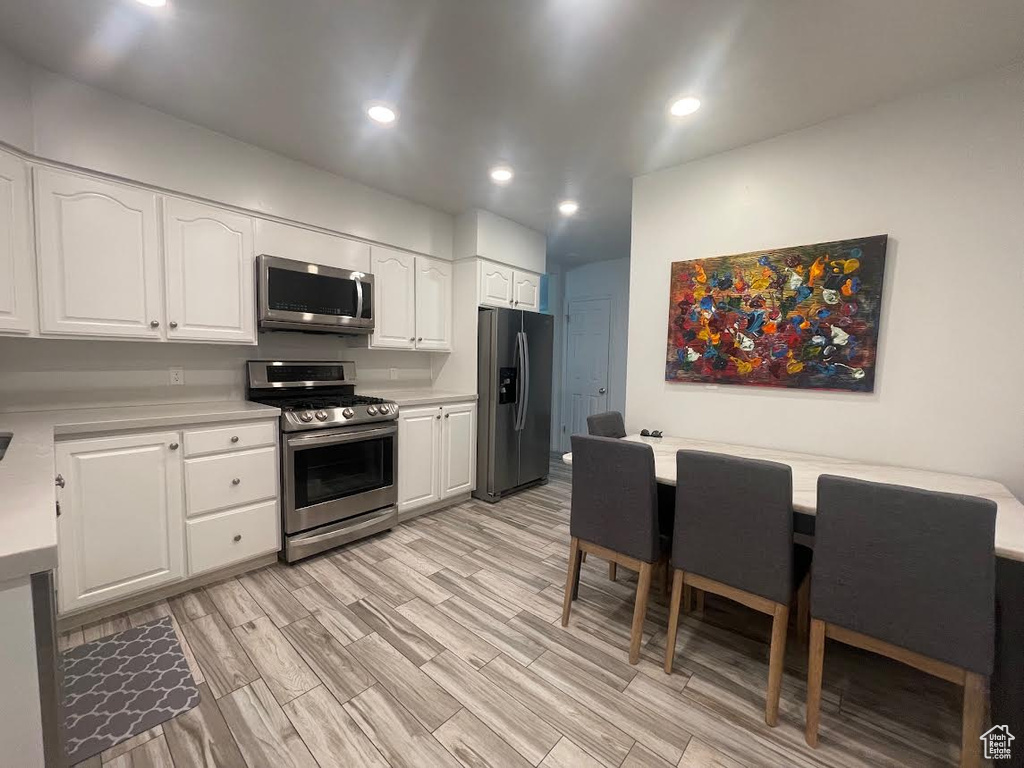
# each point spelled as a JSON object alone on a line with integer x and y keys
{"x": 321, "y": 403}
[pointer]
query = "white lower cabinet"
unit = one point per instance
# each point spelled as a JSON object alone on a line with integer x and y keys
{"x": 136, "y": 513}
{"x": 436, "y": 454}
{"x": 122, "y": 516}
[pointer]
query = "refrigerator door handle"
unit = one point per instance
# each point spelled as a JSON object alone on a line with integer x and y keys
{"x": 519, "y": 382}
{"x": 526, "y": 381}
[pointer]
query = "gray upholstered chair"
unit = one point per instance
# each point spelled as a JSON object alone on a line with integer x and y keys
{"x": 608, "y": 424}
{"x": 614, "y": 515}
{"x": 734, "y": 537}
{"x": 909, "y": 574}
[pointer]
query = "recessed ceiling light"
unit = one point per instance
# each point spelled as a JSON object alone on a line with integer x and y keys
{"x": 501, "y": 174}
{"x": 684, "y": 106}
{"x": 381, "y": 113}
{"x": 568, "y": 207}
{"x": 154, "y": 3}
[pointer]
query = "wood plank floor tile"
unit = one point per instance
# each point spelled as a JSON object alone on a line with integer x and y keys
{"x": 659, "y": 732}
{"x": 291, "y": 576}
{"x": 414, "y": 690}
{"x": 697, "y": 755}
{"x": 400, "y": 551}
{"x": 525, "y": 731}
{"x": 151, "y": 754}
{"x": 399, "y": 736}
{"x": 201, "y": 737}
{"x": 398, "y": 631}
{"x": 69, "y": 640}
{"x": 413, "y": 581}
{"x": 233, "y": 602}
{"x": 276, "y": 601}
{"x": 330, "y": 733}
{"x": 191, "y": 605}
{"x": 479, "y": 597}
{"x": 264, "y": 734}
{"x": 545, "y": 606}
{"x": 225, "y": 665}
{"x": 279, "y": 664}
{"x": 375, "y": 582}
{"x": 600, "y": 738}
{"x": 343, "y": 675}
{"x": 565, "y": 754}
{"x": 475, "y": 745}
{"x": 506, "y": 639}
{"x": 445, "y": 558}
{"x": 105, "y": 627}
{"x": 464, "y": 643}
{"x": 129, "y": 744}
{"x": 325, "y": 572}
{"x": 332, "y": 613}
{"x": 148, "y": 613}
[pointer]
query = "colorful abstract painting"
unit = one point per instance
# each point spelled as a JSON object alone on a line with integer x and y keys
{"x": 803, "y": 317}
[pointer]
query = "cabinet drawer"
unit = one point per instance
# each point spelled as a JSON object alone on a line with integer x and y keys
{"x": 230, "y": 480}
{"x": 200, "y": 442}
{"x": 231, "y": 536}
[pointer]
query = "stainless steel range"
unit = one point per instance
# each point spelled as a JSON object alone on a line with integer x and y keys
{"x": 339, "y": 454}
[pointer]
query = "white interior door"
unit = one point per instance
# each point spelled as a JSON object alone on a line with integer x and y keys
{"x": 587, "y": 339}
{"x": 209, "y": 259}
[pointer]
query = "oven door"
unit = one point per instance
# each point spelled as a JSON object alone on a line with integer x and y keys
{"x": 298, "y": 296}
{"x": 334, "y": 474}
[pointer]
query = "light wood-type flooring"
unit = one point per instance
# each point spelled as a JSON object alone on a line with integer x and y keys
{"x": 439, "y": 644}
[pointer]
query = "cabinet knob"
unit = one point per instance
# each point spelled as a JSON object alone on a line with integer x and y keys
{"x": 234, "y": 438}
{"x": 412, "y": 338}
{"x": 59, "y": 481}
{"x": 154, "y": 323}
{"x": 420, "y": 339}
{"x": 516, "y": 304}
{"x": 238, "y": 537}
{"x": 439, "y": 417}
{"x": 447, "y": 415}
{"x": 173, "y": 446}
{"x": 173, "y": 324}
{"x": 236, "y": 481}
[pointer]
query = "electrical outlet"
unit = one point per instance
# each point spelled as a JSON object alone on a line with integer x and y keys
{"x": 176, "y": 377}
{"x": 393, "y": 374}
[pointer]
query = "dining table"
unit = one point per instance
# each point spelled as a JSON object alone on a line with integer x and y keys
{"x": 1007, "y": 681}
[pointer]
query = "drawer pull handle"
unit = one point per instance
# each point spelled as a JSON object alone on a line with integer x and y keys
{"x": 236, "y": 481}
{"x": 234, "y": 438}
{"x": 238, "y": 537}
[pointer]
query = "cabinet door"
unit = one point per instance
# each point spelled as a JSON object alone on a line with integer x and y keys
{"x": 394, "y": 299}
{"x": 17, "y": 270}
{"x": 433, "y": 304}
{"x": 495, "y": 285}
{"x": 458, "y": 449}
{"x": 526, "y": 291}
{"x": 99, "y": 258}
{"x": 121, "y": 526}
{"x": 292, "y": 242}
{"x": 209, "y": 262}
{"x": 419, "y": 438}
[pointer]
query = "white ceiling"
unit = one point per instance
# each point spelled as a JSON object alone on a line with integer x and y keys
{"x": 572, "y": 93}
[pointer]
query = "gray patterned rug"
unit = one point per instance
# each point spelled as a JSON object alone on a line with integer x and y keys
{"x": 122, "y": 685}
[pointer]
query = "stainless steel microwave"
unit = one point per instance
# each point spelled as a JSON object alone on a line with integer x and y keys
{"x": 298, "y": 296}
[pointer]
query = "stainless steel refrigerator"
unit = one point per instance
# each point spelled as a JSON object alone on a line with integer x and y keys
{"x": 514, "y": 383}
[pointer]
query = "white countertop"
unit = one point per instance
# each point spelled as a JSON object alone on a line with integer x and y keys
{"x": 411, "y": 396}
{"x": 28, "y": 521}
{"x": 807, "y": 467}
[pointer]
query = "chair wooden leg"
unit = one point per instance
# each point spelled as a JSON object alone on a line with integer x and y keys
{"x": 571, "y": 579}
{"x": 776, "y": 659}
{"x": 815, "y": 664}
{"x": 687, "y": 598}
{"x": 803, "y": 609}
{"x": 584, "y": 557}
{"x": 643, "y": 588}
{"x": 666, "y": 584}
{"x": 973, "y": 720}
{"x": 611, "y": 570}
{"x": 699, "y": 593}
{"x": 673, "y": 619}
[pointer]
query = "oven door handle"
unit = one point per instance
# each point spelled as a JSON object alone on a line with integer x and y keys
{"x": 300, "y": 442}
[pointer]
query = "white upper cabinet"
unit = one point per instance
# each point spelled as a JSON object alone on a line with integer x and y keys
{"x": 99, "y": 257}
{"x": 121, "y": 526}
{"x": 433, "y": 304}
{"x": 526, "y": 291}
{"x": 17, "y": 268}
{"x": 301, "y": 244}
{"x": 495, "y": 285}
{"x": 209, "y": 259}
{"x": 394, "y": 300}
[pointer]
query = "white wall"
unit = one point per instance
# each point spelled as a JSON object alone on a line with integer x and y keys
{"x": 482, "y": 233}
{"x": 15, "y": 101}
{"x": 590, "y": 281}
{"x": 941, "y": 173}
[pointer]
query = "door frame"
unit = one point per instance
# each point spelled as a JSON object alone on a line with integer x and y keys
{"x": 563, "y": 395}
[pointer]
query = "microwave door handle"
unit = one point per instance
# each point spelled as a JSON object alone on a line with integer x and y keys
{"x": 359, "y": 298}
